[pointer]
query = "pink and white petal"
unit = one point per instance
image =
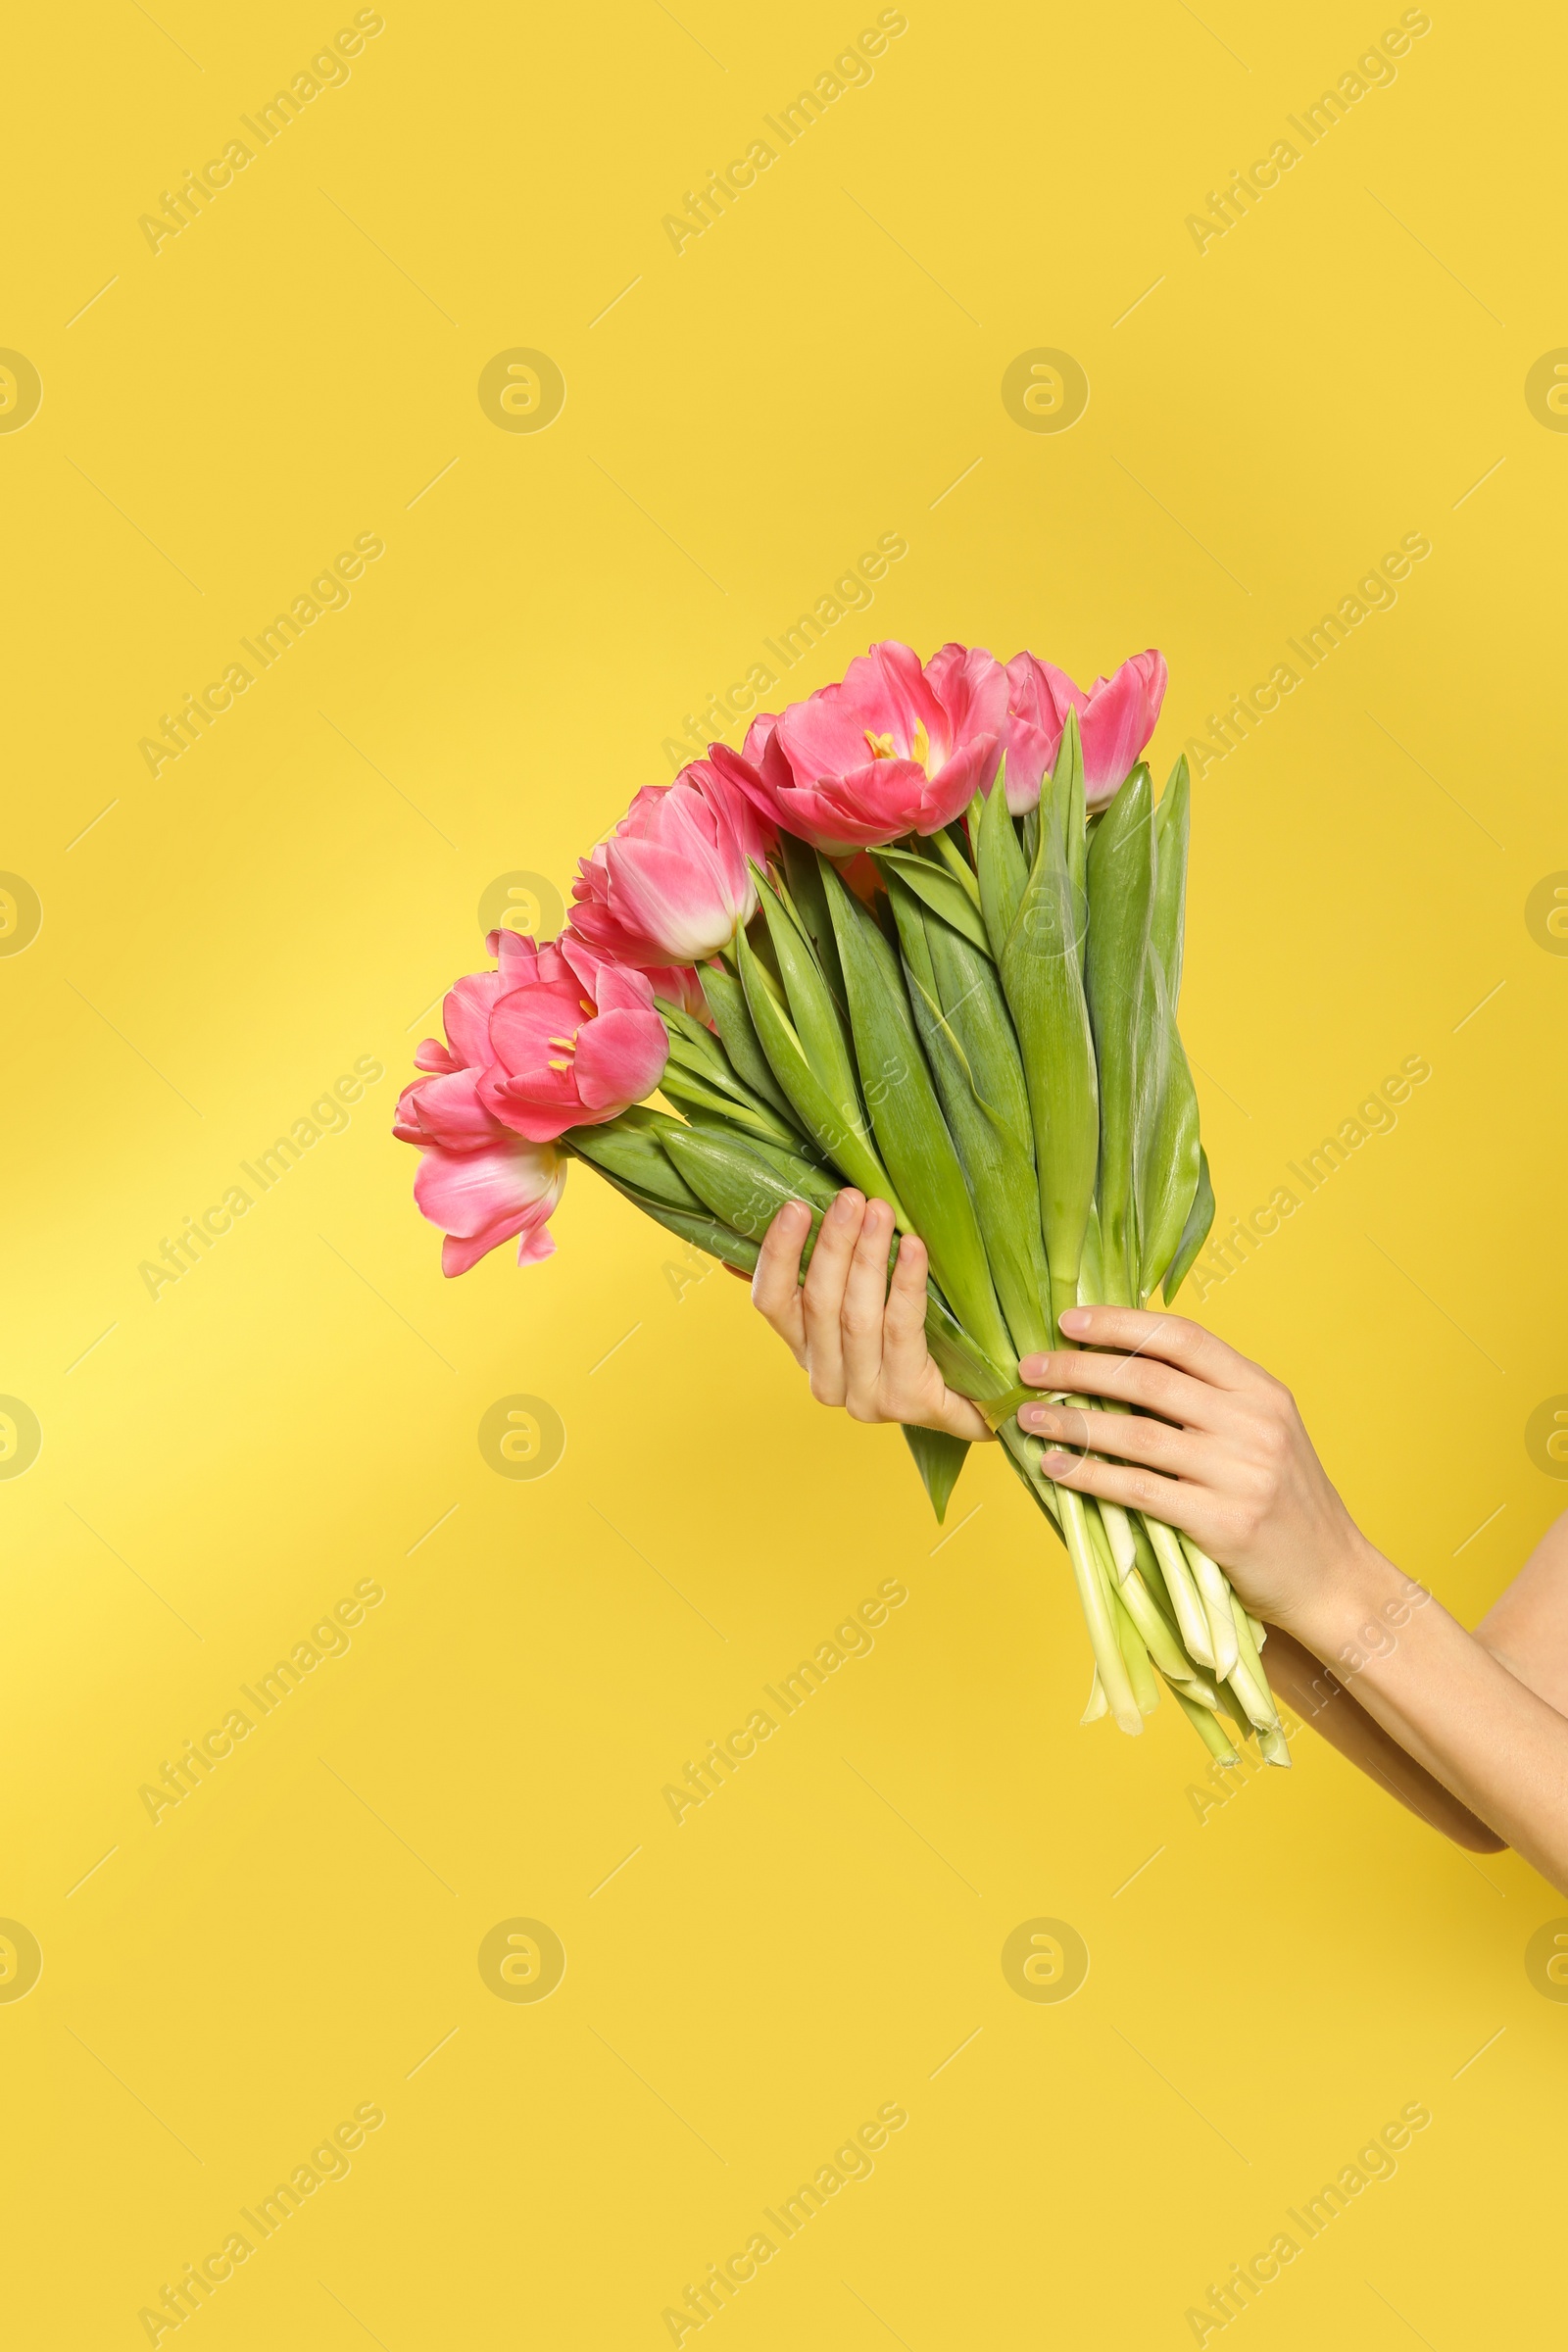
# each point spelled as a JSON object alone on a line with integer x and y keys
{"x": 1057, "y": 692}
{"x": 885, "y": 797}
{"x": 481, "y": 1199}
{"x": 1119, "y": 718}
{"x": 460, "y": 1253}
{"x": 761, "y": 779}
{"x": 406, "y": 1118}
{"x": 971, "y": 687}
{"x": 943, "y": 669}
{"x": 538, "y": 1107}
{"x": 620, "y": 1057}
{"x": 623, "y": 988}
{"x": 826, "y": 735}
{"x": 465, "y": 1015}
{"x": 445, "y": 1109}
{"x": 580, "y": 963}
{"x": 742, "y": 832}
{"x": 537, "y": 1244}
{"x": 947, "y": 795}
{"x": 1030, "y": 751}
{"x": 591, "y": 883}
{"x": 432, "y": 1054}
{"x": 523, "y": 959}
{"x": 758, "y": 735}
{"x": 608, "y": 940}
{"x": 672, "y": 890}
{"x": 889, "y": 686}
{"x": 526, "y": 1021}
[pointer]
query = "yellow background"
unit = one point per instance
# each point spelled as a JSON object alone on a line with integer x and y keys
{"x": 222, "y": 1464}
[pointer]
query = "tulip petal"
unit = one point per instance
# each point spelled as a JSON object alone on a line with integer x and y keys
{"x": 465, "y": 1014}
{"x": 1039, "y": 698}
{"x": 445, "y": 1109}
{"x": 481, "y": 1199}
{"x": 971, "y": 688}
{"x": 1117, "y": 720}
{"x": 620, "y": 1057}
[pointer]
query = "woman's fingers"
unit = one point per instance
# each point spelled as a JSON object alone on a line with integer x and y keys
{"x": 1130, "y": 1436}
{"x": 860, "y": 1317}
{"x": 822, "y": 1296}
{"x": 1172, "y": 1339}
{"x": 1178, "y": 1503}
{"x": 905, "y": 1358}
{"x": 776, "y": 1282}
{"x": 913, "y": 1388}
{"x": 1130, "y": 1380}
{"x": 860, "y": 1336}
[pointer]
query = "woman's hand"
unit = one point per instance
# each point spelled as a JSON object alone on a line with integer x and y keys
{"x": 1226, "y": 1457}
{"x": 1216, "y": 1447}
{"x": 860, "y": 1338}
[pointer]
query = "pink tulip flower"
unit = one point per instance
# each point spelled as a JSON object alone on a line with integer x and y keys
{"x": 479, "y": 1183}
{"x": 1116, "y": 718}
{"x": 555, "y": 1038}
{"x": 673, "y": 884}
{"x": 895, "y": 749}
{"x": 571, "y": 1039}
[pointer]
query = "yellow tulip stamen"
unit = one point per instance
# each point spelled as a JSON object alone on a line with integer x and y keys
{"x": 882, "y": 747}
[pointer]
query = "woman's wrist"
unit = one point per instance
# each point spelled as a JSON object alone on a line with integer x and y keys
{"x": 1353, "y": 1613}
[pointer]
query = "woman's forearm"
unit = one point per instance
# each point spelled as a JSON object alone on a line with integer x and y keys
{"x": 1449, "y": 1702}
{"x": 1321, "y": 1700}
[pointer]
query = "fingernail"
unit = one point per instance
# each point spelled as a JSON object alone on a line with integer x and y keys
{"x": 1075, "y": 1319}
{"x": 845, "y": 1205}
{"x": 1041, "y": 1419}
{"x": 1057, "y": 1465}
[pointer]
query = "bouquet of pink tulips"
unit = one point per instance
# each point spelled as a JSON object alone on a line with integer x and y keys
{"x": 922, "y": 937}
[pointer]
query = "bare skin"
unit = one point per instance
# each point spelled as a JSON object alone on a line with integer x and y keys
{"x": 1469, "y": 1730}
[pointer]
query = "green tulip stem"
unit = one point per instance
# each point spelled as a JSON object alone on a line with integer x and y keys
{"x": 1095, "y": 1601}
{"x": 1140, "y": 1675}
{"x": 1248, "y": 1681}
{"x": 1158, "y": 1639}
{"x": 1191, "y": 1615}
{"x": 1208, "y": 1730}
{"x": 1130, "y": 1622}
{"x": 1119, "y": 1535}
{"x": 1215, "y": 1593}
